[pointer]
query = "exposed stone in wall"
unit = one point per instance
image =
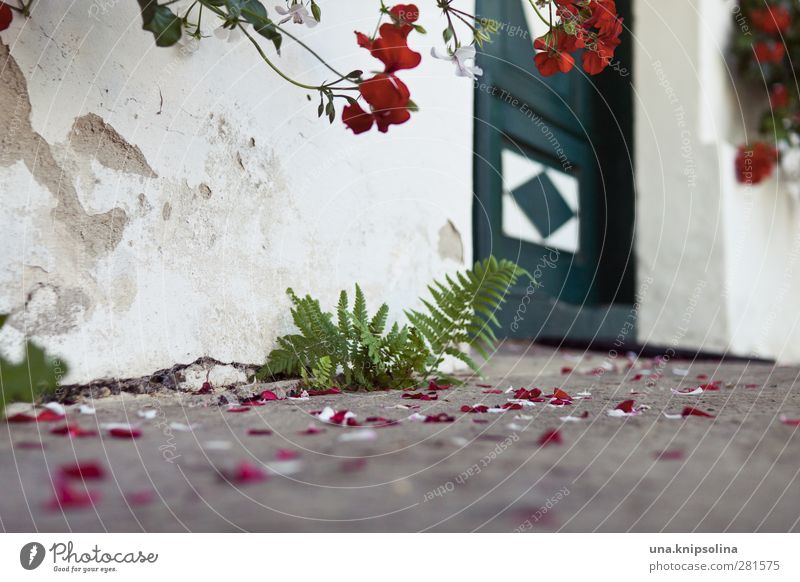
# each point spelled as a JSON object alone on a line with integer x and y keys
{"x": 92, "y": 136}
{"x": 450, "y": 244}
{"x": 97, "y": 233}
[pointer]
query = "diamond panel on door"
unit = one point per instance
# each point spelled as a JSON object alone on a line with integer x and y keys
{"x": 540, "y": 203}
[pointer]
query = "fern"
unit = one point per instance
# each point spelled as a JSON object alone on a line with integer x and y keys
{"x": 355, "y": 350}
{"x": 462, "y": 310}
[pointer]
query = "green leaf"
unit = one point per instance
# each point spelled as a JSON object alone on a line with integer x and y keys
{"x": 162, "y": 22}
{"x": 316, "y": 11}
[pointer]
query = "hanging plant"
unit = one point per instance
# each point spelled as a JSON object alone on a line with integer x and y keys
{"x": 767, "y": 49}
{"x": 381, "y": 99}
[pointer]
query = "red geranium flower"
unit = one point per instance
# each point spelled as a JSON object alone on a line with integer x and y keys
{"x": 388, "y": 98}
{"x": 755, "y": 164}
{"x": 768, "y": 52}
{"x": 554, "y": 57}
{"x": 772, "y": 20}
{"x": 779, "y": 96}
{"x": 6, "y": 16}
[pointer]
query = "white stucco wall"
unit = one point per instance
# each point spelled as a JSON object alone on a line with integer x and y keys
{"x": 718, "y": 262}
{"x": 215, "y": 188}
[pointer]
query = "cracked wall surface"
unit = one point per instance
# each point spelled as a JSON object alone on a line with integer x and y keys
{"x": 158, "y": 202}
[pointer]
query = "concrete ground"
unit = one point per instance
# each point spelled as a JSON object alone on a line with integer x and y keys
{"x": 480, "y": 472}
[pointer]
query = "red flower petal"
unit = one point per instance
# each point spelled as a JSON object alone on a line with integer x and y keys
{"x": 125, "y": 433}
{"x": 433, "y": 386}
{"x": 269, "y": 395}
{"x": 566, "y": 370}
{"x": 479, "y": 408}
{"x": 442, "y": 417}
{"x": 550, "y": 437}
{"x": 259, "y": 432}
{"x": 6, "y": 16}
{"x": 83, "y": 471}
{"x": 523, "y": 394}
{"x": 72, "y": 431}
{"x": 312, "y": 430}
{"x": 420, "y": 396}
{"x": 493, "y": 392}
{"x": 627, "y": 406}
{"x": 238, "y": 409}
{"x": 245, "y": 472}
{"x": 286, "y": 454}
{"x": 561, "y": 395}
{"x": 690, "y": 411}
{"x": 790, "y": 421}
{"x": 669, "y": 455}
{"x": 68, "y": 498}
{"x": 333, "y": 390}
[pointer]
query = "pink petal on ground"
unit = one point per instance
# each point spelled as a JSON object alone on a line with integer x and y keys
{"x": 67, "y": 497}
{"x": 550, "y": 437}
{"x": 687, "y": 391}
{"x": 259, "y": 432}
{"x": 140, "y": 497}
{"x": 72, "y": 431}
{"x": 286, "y": 454}
{"x": 674, "y": 455}
{"x": 790, "y": 421}
{"x": 83, "y": 471}
{"x": 245, "y": 472}
{"x": 690, "y": 411}
{"x": 312, "y": 430}
{"x": 121, "y": 432}
{"x": 238, "y": 409}
{"x": 269, "y": 395}
{"x": 441, "y": 417}
{"x": 329, "y": 391}
{"x": 420, "y": 396}
{"x": 477, "y": 409}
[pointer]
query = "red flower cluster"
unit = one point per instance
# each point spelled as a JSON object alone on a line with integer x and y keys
{"x": 772, "y": 19}
{"x": 6, "y": 16}
{"x": 387, "y": 96}
{"x": 755, "y": 164}
{"x": 594, "y": 26}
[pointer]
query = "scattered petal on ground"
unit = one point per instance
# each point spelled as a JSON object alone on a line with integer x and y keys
{"x": 259, "y": 432}
{"x": 238, "y": 408}
{"x": 477, "y": 409}
{"x": 244, "y": 473}
{"x": 433, "y": 386}
{"x": 550, "y": 437}
{"x": 73, "y": 431}
{"x": 312, "y": 430}
{"x": 420, "y": 396}
{"x": 626, "y": 408}
{"x": 690, "y": 411}
{"x": 329, "y": 391}
{"x": 67, "y": 497}
{"x": 286, "y": 454}
{"x": 687, "y": 391}
{"x": 441, "y": 417}
{"x": 790, "y": 421}
{"x": 673, "y": 455}
{"x": 89, "y": 470}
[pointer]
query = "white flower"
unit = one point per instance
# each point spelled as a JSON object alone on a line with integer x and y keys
{"x": 463, "y": 58}
{"x": 228, "y": 34}
{"x": 298, "y": 14}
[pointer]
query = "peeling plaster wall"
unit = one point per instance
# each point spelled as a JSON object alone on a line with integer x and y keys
{"x": 158, "y": 202}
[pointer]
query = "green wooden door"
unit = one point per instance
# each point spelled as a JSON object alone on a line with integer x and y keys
{"x": 553, "y": 182}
